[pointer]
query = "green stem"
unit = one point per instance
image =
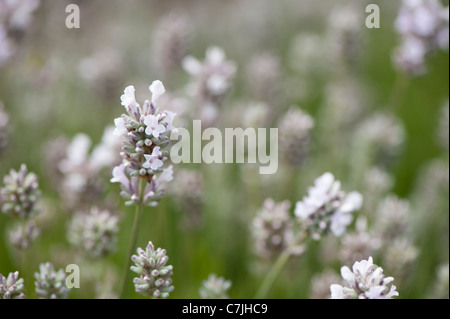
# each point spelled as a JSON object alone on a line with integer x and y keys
{"x": 272, "y": 275}
{"x": 134, "y": 233}
{"x": 275, "y": 270}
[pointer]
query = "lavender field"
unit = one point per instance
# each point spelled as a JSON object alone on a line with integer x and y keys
{"x": 334, "y": 183}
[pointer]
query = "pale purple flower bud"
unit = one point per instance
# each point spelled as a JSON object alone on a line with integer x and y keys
{"x": 171, "y": 41}
{"x": 295, "y": 136}
{"x": 94, "y": 233}
{"x": 154, "y": 277}
{"x": 23, "y": 235}
{"x": 272, "y": 229}
{"x": 423, "y": 26}
{"x": 20, "y": 193}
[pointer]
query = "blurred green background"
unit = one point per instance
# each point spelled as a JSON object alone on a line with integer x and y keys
{"x": 67, "y": 105}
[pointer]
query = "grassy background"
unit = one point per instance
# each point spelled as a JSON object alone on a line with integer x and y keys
{"x": 68, "y": 106}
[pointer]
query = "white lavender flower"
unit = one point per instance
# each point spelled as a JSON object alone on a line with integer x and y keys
{"x": 379, "y": 139}
{"x": 215, "y": 288}
{"x": 272, "y": 229}
{"x": 147, "y": 131}
{"x": 188, "y": 193}
{"x": 211, "y": 81}
{"x": 171, "y": 41}
{"x": 295, "y": 136}
{"x": 94, "y": 233}
{"x": 327, "y": 207}
{"x": 263, "y": 76}
{"x": 23, "y": 235}
{"x": 344, "y": 33}
{"x": 11, "y": 287}
{"x": 392, "y": 218}
{"x": 399, "y": 255}
{"x": 102, "y": 71}
{"x": 51, "y": 284}
{"x": 424, "y": 27}
{"x": 154, "y": 277}
{"x": 17, "y": 14}
{"x": 4, "y": 119}
{"x": 365, "y": 281}
{"x": 20, "y": 193}
{"x": 81, "y": 182}
{"x": 15, "y": 18}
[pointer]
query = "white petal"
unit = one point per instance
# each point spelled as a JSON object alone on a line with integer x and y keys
{"x": 191, "y": 65}
{"x": 78, "y": 149}
{"x": 337, "y": 292}
{"x": 215, "y": 55}
{"x": 325, "y": 181}
{"x": 353, "y": 201}
{"x": 157, "y": 89}
{"x": 348, "y": 276}
{"x": 128, "y": 96}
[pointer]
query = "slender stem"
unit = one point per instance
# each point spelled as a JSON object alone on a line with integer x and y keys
{"x": 134, "y": 233}
{"x": 25, "y": 274}
{"x": 272, "y": 275}
{"x": 276, "y": 269}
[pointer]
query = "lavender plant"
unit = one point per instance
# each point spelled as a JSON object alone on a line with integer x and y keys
{"x": 364, "y": 281}
{"x": 102, "y": 71}
{"x": 154, "y": 277}
{"x": 94, "y": 233}
{"x": 20, "y": 193}
{"x": 295, "y": 136}
{"x": 15, "y": 19}
{"x": 22, "y": 236}
{"x": 424, "y": 28}
{"x": 141, "y": 175}
{"x": 211, "y": 81}
{"x": 215, "y": 288}
{"x": 263, "y": 77}
{"x": 272, "y": 229}
{"x": 171, "y": 41}
{"x": 326, "y": 208}
{"x": 11, "y": 287}
{"x": 51, "y": 284}
{"x": 320, "y": 284}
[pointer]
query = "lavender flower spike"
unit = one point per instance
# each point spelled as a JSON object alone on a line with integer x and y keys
{"x": 11, "y": 287}
{"x": 327, "y": 207}
{"x": 154, "y": 276}
{"x": 365, "y": 281}
{"x": 146, "y": 130}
